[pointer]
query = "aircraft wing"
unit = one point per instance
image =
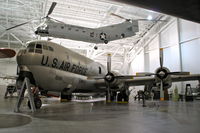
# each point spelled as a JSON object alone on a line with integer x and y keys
{"x": 130, "y": 82}
{"x": 186, "y": 78}
{"x": 151, "y": 80}
{"x": 7, "y": 53}
{"x": 186, "y": 9}
{"x": 140, "y": 81}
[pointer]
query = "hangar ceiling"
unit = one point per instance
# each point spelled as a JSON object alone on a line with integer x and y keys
{"x": 88, "y": 13}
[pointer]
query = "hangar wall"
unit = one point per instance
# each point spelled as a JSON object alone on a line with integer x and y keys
{"x": 190, "y": 47}
{"x": 181, "y": 44}
{"x": 8, "y": 67}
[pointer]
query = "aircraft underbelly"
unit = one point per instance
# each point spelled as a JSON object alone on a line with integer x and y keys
{"x": 57, "y": 80}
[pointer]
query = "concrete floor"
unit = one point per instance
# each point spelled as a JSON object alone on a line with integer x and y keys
{"x": 99, "y": 117}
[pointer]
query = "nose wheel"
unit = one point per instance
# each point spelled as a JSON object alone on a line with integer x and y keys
{"x": 37, "y": 102}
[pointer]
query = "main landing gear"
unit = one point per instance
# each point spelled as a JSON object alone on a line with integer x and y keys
{"x": 65, "y": 97}
{"x": 121, "y": 97}
{"x": 37, "y": 102}
{"x": 34, "y": 100}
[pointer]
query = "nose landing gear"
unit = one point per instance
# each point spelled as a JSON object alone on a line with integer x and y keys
{"x": 34, "y": 100}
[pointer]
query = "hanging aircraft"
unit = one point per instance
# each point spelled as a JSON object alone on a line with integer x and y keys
{"x": 55, "y": 28}
{"x": 52, "y": 67}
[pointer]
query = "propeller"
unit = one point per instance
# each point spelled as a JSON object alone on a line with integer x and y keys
{"x": 110, "y": 77}
{"x": 121, "y": 17}
{"x": 162, "y": 73}
{"x": 47, "y": 16}
{"x": 51, "y": 9}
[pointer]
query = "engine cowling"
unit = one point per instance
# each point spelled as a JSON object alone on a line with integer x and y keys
{"x": 163, "y": 74}
{"x": 110, "y": 79}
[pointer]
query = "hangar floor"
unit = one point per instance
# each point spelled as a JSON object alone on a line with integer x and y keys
{"x": 99, "y": 117}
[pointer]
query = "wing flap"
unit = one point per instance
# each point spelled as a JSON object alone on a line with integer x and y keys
{"x": 131, "y": 82}
{"x": 185, "y": 78}
{"x": 140, "y": 81}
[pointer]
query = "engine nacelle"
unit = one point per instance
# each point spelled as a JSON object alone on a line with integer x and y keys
{"x": 163, "y": 74}
{"x": 111, "y": 79}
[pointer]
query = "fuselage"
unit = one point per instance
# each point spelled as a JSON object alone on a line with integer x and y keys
{"x": 95, "y": 35}
{"x": 56, "y": 68}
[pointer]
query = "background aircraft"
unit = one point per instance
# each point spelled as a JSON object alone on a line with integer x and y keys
{"x": 7, "y": 53}
{"x": 51, "y": 67}
{"x": 55, "y": 28}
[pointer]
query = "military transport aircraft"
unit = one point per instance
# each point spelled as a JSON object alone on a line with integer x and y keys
{"x": 52, "y": 67}
{"x": 55, "y": 28}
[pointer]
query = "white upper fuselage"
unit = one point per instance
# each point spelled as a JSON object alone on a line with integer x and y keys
{"x": 55, "y": 67}
{"x": 96, "y": 35}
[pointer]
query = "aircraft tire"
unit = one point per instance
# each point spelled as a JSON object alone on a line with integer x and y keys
{"x": 113, "y": 96}
{"x": 119, "y": 97}
{"x": 105, "y": 41}
{"x": 126, "y": 98}
{"x": 37, "y": 102}
{"x": 67, "y": 97}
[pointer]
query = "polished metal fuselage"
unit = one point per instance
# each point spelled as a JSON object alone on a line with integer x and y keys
{"x": 60, "y": 68}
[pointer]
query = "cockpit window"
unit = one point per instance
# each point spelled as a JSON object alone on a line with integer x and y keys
{"x": 45, "y": 47}
{"x": 38, "y": 48}
{"x": 50, "y": 48}
{"x": 31, "y": 47}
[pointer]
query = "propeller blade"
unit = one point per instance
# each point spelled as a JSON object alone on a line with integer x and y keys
{"x": 118, "y": 16}
{"x": 136, "y": 19}
{"x": 109, "y": 63}
{"x": 57, "y": 20}
{"x": 143, "y": 74}
{"x": 161, "y": 91}
{"x": 17, "y": 25}
{"x": 179, "y": 73}
{"x": 21, "y": 24}
{"x": 150, "y": 20}
{"x": 51, "y": 8}
{"x": 161, "y": 57}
